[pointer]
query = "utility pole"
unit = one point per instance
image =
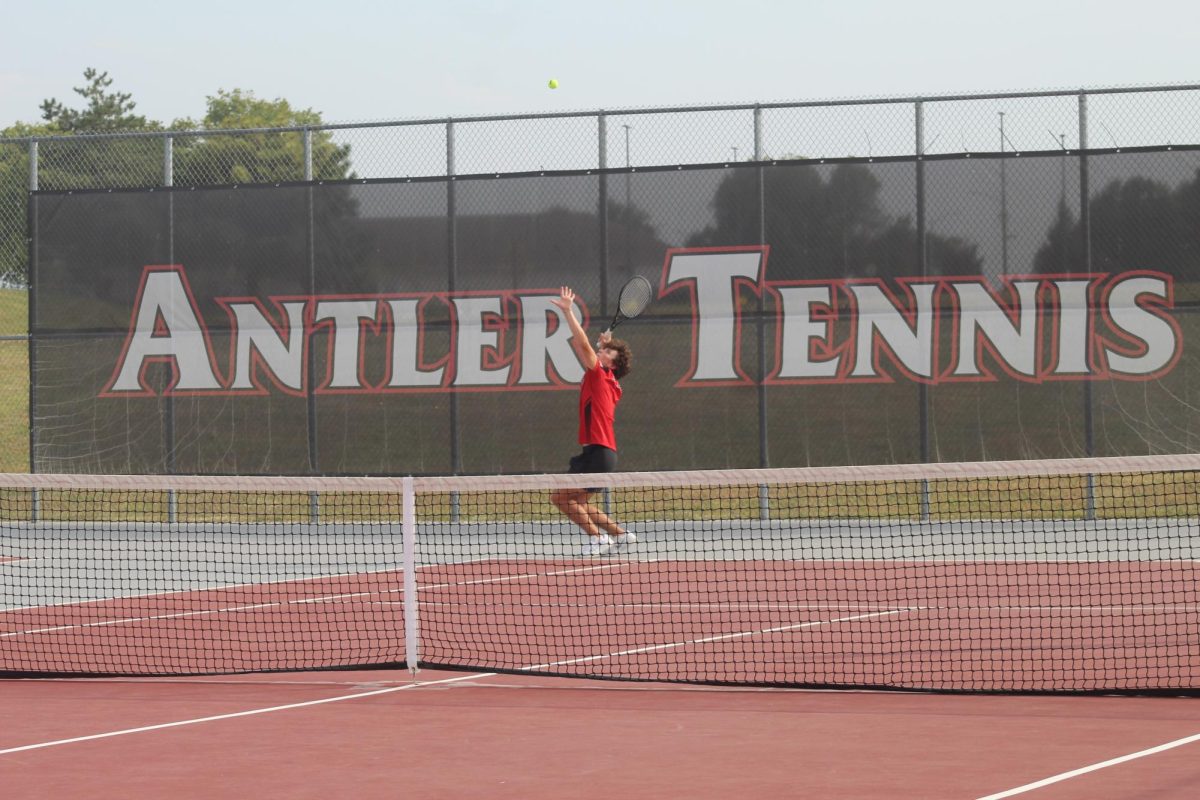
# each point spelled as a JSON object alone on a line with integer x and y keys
{"x": 628, "y": 215}
{"x": 1003, "y": 202}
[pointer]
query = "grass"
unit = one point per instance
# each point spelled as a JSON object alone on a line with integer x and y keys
{"x": 1043, "y": 498}
{"x": 14, "y": 312}
{"x": 14, "y": 382}
{"x": 74, "y": 505}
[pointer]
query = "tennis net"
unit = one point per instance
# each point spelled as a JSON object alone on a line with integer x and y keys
{"x": 1074, "y": 575}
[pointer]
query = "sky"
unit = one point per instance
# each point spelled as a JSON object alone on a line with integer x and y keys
{"x": 355, "y": 61}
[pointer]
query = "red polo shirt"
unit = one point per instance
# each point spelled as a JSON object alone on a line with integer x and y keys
{"x": 598, "y": 397}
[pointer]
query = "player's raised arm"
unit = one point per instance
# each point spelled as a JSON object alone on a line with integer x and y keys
{"x": 579, "y": 337}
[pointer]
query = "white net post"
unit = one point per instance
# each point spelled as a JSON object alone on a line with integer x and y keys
{"x": 409, "y": 564}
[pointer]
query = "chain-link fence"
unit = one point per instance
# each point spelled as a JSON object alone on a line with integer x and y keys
{"x": 1014, "y": 123}
{"x": 980, "y": 176}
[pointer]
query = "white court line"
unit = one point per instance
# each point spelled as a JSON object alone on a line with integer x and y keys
{"x": 655, "y": 606}
{"x": 280, "y": 582}
{"x": 220, "y": 588}
{"x": 1029, "y": 787}
{"x": 275, "y": 604}
{"x": 460, "y": 678}
{"x": 236, "y": 714}
{"x": 507, "y": 578}
{"x": 652, "y": 606}
{"x": 816, "y": 606}
{"x": 518, "y": 577}
{"x": 696, "y": 607}
{"x": 133, "y": 620}
{"x": 721, "y": 638}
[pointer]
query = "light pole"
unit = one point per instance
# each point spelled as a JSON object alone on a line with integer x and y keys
{"x": 627, "y": 127}
{"x": 1062, "y": 177}
{"x": 628, "y": 215}
{"x": 1003, "y": 202}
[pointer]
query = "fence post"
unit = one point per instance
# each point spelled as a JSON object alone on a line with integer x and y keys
{"x": 33, "y": 165}
{"x": 1085, "y": 230}
{"x": 314, "y": 461}
{"x": 168, "y": 160}
{"x": 764, "y": 450}
{"x": 451, "y": 284}
{"x": 31, "y": 342}
{"x": 602, "y": 206}
{"x": 602, "y": 215}
{"x": 169, "y": 181}
{"x": 308, "y": 154}
{"x": 923, "y": 266}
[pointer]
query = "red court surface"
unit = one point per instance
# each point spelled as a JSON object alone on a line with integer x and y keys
{"x": 947, "y": 625}
{"x": 453, "y": 734}
{"x": 380, "y": 734}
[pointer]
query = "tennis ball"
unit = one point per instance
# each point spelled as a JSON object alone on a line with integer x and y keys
{"x": 553, "y": 84}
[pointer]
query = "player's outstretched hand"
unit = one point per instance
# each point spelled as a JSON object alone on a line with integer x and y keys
{"x": 565, "y": 300}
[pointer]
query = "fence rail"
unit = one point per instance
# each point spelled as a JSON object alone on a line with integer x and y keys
{"x": 633, "y": 138}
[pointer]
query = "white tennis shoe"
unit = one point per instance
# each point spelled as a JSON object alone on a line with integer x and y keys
{"x": 621, "y": 541}
{"x": 598, "y": 545}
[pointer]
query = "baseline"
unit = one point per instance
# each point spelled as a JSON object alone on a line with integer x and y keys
{"x": 1075, "y": 773}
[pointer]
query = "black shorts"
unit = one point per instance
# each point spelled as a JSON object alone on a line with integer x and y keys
{"x": 594, "y": 458}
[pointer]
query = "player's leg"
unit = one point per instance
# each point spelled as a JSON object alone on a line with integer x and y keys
{"x": 601, "y": 520}
{"x": 621, "y": 538}
{"x": 573, "y": 503}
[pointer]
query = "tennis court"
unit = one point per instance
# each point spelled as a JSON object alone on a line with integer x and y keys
{"x": 375, "y": 735}
{"x": 959, "y": 624}
{"x": 231, "y": 640}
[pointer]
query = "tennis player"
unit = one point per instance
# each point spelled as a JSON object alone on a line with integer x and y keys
{"x": 599, "y": 394}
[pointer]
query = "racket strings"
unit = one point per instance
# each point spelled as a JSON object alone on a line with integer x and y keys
{"x": 635, "y": 296}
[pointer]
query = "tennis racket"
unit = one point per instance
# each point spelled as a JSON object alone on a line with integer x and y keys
{"x": 635, "y": 297}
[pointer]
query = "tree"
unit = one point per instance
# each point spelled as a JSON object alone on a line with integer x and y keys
{"x": 75, "y": 158}
{"x": 14, "y": 182}
{"x": 1135, "y": 223}
{"x": 72, "y": 156}
{"x": 1134, "y": 227}
{"x": 827, "y": 223}
{"x": 268, "y": 155}
{"x": 106, "y": 112}
{"x": 261, "y": 157}
{"x": 1062, "y": 252}
{"x": 66, "y": 159}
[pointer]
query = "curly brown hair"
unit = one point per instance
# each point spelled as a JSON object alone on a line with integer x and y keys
{"x": 623, "y": 360}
